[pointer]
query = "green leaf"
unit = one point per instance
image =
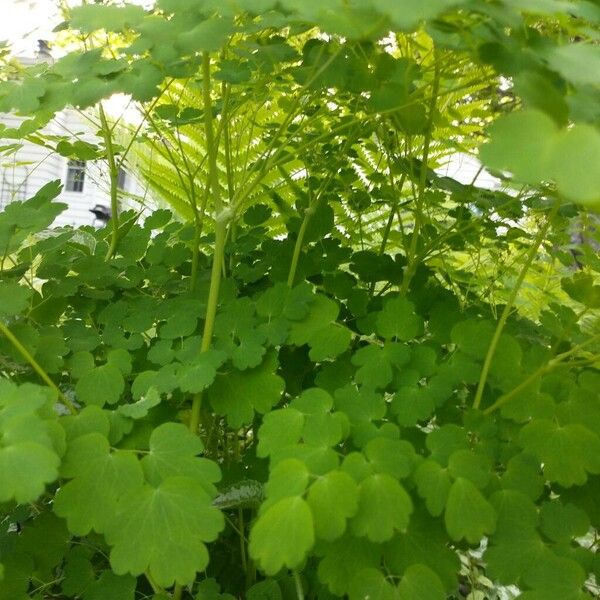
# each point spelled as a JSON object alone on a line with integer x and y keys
{"x": 264, "y": 590}
{"x": 473, "y": 337}
{"x": 28, "y": 459}
{"x": 14, "y": 298}
{"x": 80, "y": 363}
{"x": 78, "y": 572}
{"x": 398, "y": 320}
{"x": 257, "y": 213}
{"x": 517, "y": 515}
{"x": 523, "y": 473}
{"x": 474, "y": 467}
{"x": 468, "y": 514}
{"x": 329, "y": 342}
{"x": 22, "y": 96}
{"x": 99, "y": 479}
{"x": 333, "y": 499}
{"x": 139, "y": 409}
{"x": 563, "y": 522}
{"x": 421, "y": 583}
{"x": 282, "y": 535}
{"x": 555, "y": 577}
{"x": 207, "y": 36}
{"x": 174, "y": 452}
{"x": 394, "y": 457}
{"x": 289, "y": 477}
{"x": 376, "y": 363}
{"x": 238, "y": 394}
{"x": 533, "y": 133}
{"x": 545, "y": 153}
{"x": 371, "y": 583}
{"x": 111, "y": 586}
{"x": 323, "y": 311}
{"x": 574, "y": 149}
{"x": 198, "y": 374}
{"x": 209, "y": 589}
{"x": 121, "y": 359}
{"x": 582, "y": 289}
{"x": 424, "y": 543}
{"x": 280, "y": 428}
{"x": 445, "y": 440}
{"x": 408, "y": 15}
{"x": 579, "y": 63}
{"x": 90, "y": 17}
{"x": 100, "y": 386}
{"x": 162, "y": 531}
{"x": 46, "y": 540}
{"x": 244, "y": 493}
{"x": 343, "y": 559}
{"x": 16, "y": 573}
{"x": 384, "y": 507}
{"x": 515, "y": 547}
{"x": 568, "y": 453}
{"x": 433, "y": 484}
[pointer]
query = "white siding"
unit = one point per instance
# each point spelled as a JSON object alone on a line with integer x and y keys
{"x": 33, "y": 166}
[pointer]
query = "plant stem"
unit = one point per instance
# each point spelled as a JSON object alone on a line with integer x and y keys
{"x": 298, "y": 582}
{"x": 550, "y": 366}
{"x": 177, "y": 591}
{"x": 213, "y": 174}
{"x": 155, "y": 587}
{"x": 36, "y": 366}
{"x": 113, "y": 172}
{"x": 220, "y": 234}
{"x": 242, "y": 540}
{"x": 509, "y": 306}
{"x": 412, "y": 258}
{"x": 298, "y": 246}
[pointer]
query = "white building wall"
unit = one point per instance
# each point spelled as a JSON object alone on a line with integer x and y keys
{"x": 22, "y": 174}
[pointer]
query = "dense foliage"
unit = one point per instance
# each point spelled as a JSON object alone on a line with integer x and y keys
{"x": 309, "y": 378}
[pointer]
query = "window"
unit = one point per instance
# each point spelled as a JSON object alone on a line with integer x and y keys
{"x": 122, "y": 179}
{"x": 75, "y": 176}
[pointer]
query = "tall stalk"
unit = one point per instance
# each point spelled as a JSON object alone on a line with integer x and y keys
{"x": 412, "y": 253}
{"x": 8, "y": 334}
{"x": 487, "y": 363}
{"x": 221, "y": 221}
{"x": 113, "y": 172}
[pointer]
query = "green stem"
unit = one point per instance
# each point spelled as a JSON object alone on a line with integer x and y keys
{"x": 517, "y": 390}
{"x": 298, "y": 247}
{"x": 36, "y": 366}
{"x": 412, "y": 258}
{"x": 220, "y": 234}
{"x": 242, "y": 540}
{"x": 155, "y": 587}
{"x": 177, "y": 591}
{"x": 550, "y": 366}
{"x": 298, "y": 582}
{"x": 211, "y": 312}
{"x": 113, "y": 172}
{"x": 228, "y": 166}
{"x": 215, "y": 283}
{"x": 509, "y": 306}
{"x": 213, "y": 173}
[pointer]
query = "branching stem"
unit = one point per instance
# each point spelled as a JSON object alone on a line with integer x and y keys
{"x": 412, "y": 253}
{"x": 113, "y": 172}
{"x": 220, "y": 233}
{"x": 36, "y": 366}
{"x": 547, "y": 368}
{"x": 487, "y": 363}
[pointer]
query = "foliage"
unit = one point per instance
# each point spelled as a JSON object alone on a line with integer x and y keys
{"x": 304, "y": 383}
